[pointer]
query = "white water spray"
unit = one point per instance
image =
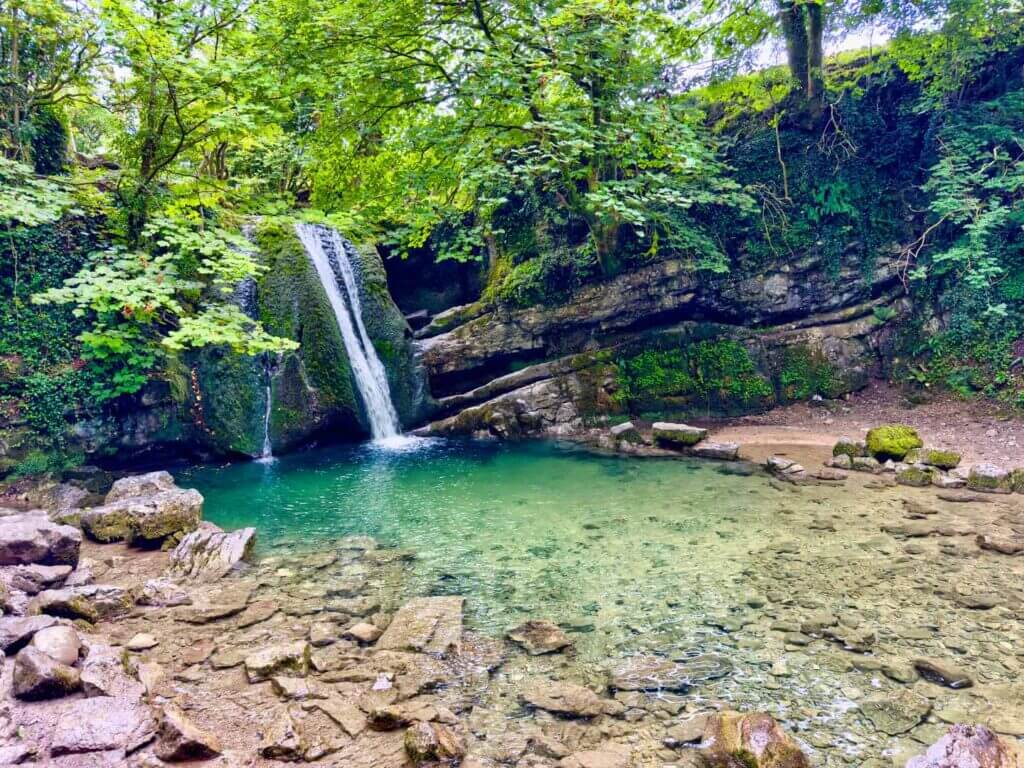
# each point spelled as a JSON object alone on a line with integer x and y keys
{"x": 330, "y": 254}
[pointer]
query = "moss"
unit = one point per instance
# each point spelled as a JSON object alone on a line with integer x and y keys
{"x": 713, "y": 375}
{"x": 942, "y": 459}
{"x": 806, "y": 372}
{"x": 849, "y": 447}
{"x": 892, "y": 441}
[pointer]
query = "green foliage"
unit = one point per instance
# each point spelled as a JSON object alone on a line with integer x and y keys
{"x": 806, "y": 372}
{"x": 718, "y": 375}
{"x": 892, "y": 441}
{"x": 173, "y": 295}
{"x": 49, "y": 141}
{"x": 27, "y": 200}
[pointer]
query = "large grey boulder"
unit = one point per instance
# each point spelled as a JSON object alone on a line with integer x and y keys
{"x": 989, "y": 478}
{"x": 135, "y": 486}
{"x": 32, "y": 538}
{"x": 102, "y": 723}
{"x": 208, "y": 553}
{"x": 145, "y": 519}
{"x": 38, "y": 675}
{"x": 103, "y": 674}
{"x": 32, "y": 579}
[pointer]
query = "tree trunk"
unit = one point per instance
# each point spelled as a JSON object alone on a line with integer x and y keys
{"x": 815, "y": 52}
{"x": 794, "y": 27}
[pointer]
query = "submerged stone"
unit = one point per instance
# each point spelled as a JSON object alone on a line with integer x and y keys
{"x": 426, "y": 624}
{"x": 540, "y": 636}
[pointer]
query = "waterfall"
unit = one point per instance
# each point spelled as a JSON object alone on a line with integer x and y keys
{"x": 331, "y": 255}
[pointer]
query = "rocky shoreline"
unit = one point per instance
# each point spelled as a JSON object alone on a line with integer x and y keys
{"x": 137, "y": 634}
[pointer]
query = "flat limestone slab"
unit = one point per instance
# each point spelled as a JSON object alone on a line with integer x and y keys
{"x": 426, "y": 625}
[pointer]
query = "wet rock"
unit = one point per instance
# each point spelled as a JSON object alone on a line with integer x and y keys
{"x": 33, "y": 579}
{"x": 178, "y": 738}
{"x": 895, "y": 712}
{"x": 677, "y": 435}
{"x": 363, "y": 633}
{"x": 256, "y": 612}
{"x": 970, "y": 746}
{"x": 283, "y": 740}
{"x": 657, "y": 673}
{"x": 563, "y": 699}
{"x": 989, "y": 478}
{"x": 102, "y": 723}
{"x": 208, "y": 553}
{"x": 163, "y": 592}
{"x": 943, "y": 673}
{"x": 38, "y": 675}
{"x": 785, "y": 469}
{"x": 322, "y": 633}
{"x": 220, "y": 605}
{"x": 540, "y": 636}
{"x": 719, "y": 451}
{"x": 841, "y": 461}
{"x": 16, "y": 631}
{"x": 754, "y": 740}
{"x": 91, "y": 602}
{"x": 292, "y": 658}
{"x": 59, "y": 642}
{"x": 433, "y": 742}
{"x": 688, "y": 731}
{"x": 610, "y": 756}
{"x": 856, "y": 639}
{"x": 144, "y": 519}
{"x": 426, "y": 624}
{"x": 1003, "y": 542}
{"x": 31, "y": 538}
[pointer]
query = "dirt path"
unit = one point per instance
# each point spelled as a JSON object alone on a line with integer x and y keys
{"x": 980, "y": 431}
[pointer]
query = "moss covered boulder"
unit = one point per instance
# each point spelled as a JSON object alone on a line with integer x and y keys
{"x": 847, "y": 446}
{"x": 677, "y": 435}
{"x": 892, "y": 441}
{"x": 989, "y": 478}
{"x": 915, "y": 475}
{"x": 933, "y": 457}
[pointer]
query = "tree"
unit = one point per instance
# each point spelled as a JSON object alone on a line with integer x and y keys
{"x": 434, "y": 114}
{"x": 48, "y": 49}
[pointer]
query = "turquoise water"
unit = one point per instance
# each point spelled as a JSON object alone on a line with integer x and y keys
{"x": 615, "y": 548}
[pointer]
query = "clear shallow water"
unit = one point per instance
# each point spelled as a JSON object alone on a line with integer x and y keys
{"x": 605, "y": 545}
{"x": 680, "y": 559}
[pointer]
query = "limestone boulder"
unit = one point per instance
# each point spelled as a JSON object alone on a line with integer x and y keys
{"x": 133, "y": 487}
{"x": 60, "y": 642}
{"x": 540, "y": 636}
{"x": 626, "y": 432}
{"x": 37, "y": 675}
{"x": 288, "y": 659}
{"x": 31, "y": 538}
{"x": 163, "y": 592}
{"x": 427, "y": 625}
{"x": 100, "y": 724}
{"x": 209, "y": 553}
{"x": 32, "y": 579}
{"x": 178, "y": 738}
{"x": 673, "y": 435}
{"x": 754, "y": 740}
{"x": 970, "y": 746}
{"x": 719, "y": 451}
{"x": 91, "y": 602}
{"x": 16, "y": 631}
{"x": 145, "y": 520}
{"x": 989, "y": 478}
{"x": 103, "y": 674}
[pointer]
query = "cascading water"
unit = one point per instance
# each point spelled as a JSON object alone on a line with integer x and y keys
{"x": 330, "y": 254}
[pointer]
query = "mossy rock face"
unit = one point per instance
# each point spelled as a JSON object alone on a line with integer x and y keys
{"x": 678, "y": 435}
{"x": 892, "y": 441}
{"x": 990, "y": 478}
{"x": 233, "y": 403}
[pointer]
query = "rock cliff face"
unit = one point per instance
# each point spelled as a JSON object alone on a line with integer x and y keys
{"x": 660, "y": 339}
{"x": 216, "y": 403}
